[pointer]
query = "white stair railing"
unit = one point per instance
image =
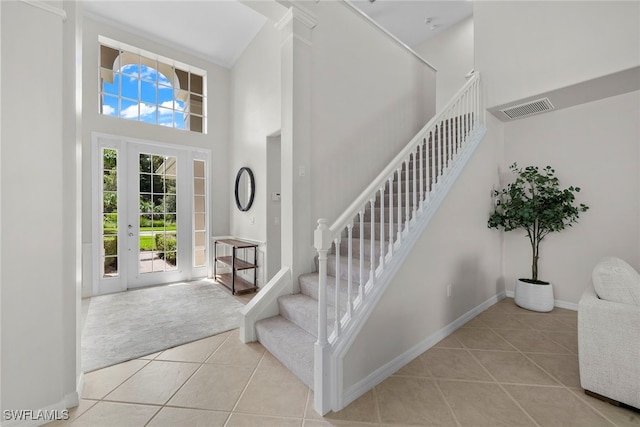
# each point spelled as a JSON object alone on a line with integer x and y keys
{"x": 400, "y": 194}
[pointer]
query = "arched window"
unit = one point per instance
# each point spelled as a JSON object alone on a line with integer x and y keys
{"x": 144, "y": 87}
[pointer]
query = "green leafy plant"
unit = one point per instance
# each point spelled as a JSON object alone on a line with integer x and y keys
{"x": 536, "y": 203}
{"x": 166, "y": 245}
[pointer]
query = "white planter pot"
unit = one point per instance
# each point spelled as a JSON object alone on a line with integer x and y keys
{"x": 534, "y": 297}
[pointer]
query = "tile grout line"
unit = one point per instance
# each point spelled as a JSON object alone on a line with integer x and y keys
{"x": 497, "y": 382}
{"x": 164, "y": 405}
{"x": 446, "y": 402}
{"x": 561, "y": 383}
{"x": 571, "y": 353}
{"x": 377, "y": 404}
{"x": 112, "y": 390}
{"x": 246, "y": 386}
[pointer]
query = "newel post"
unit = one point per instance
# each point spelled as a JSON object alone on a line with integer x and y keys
{"x": 322, "y": 243}
{"x": 321, "y": 373}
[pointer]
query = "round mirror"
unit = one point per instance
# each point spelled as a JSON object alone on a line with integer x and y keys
{"x": 245, "y": 189}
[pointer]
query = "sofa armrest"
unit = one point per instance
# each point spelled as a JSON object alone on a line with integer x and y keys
{"x": 609, "y": 348}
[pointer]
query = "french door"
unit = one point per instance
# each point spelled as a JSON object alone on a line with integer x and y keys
{"x": 151, "y": 221}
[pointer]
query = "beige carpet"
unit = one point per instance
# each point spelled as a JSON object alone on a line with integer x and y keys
{"x": 127, "y": 325}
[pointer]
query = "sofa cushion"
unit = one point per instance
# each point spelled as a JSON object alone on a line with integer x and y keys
{"x": 615, "y": 280}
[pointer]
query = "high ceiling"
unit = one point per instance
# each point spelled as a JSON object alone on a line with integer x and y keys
{"x": 220, "y": 30}
{"x": 216, "y": 30}
{"x": 414, "y": 21}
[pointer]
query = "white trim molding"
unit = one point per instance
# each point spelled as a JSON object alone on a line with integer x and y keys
{"x": 299, "y": 13}
{"x": 265, "y": 304}
{"x": 47, "y": 8}
{"x": 376, "y": 377}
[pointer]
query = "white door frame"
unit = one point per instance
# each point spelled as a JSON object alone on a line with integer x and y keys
{"x": 126, "y": 268}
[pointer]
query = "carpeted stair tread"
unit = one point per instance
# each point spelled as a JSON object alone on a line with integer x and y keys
{"x": 309, "y": 287}
{"x": 290, "y": 344}
{"x": 303, "y": 311}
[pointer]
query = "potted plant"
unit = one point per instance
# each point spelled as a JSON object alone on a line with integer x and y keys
{"x": 535, "y": 202}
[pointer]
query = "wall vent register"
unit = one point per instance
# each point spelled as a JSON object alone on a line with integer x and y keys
{"x": 528, "y": 108}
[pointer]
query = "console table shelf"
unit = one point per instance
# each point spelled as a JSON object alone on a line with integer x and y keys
{"x": 232, "y": 280}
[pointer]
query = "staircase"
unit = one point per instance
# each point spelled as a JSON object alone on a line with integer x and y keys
{"x": 290, "y": 335}
{"x": 361, "y": 252}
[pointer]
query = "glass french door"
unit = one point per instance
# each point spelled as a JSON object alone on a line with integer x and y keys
{"x": 155, "y": 230}
{"x": 152, "y": 215}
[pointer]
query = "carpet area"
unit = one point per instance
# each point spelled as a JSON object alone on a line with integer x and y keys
{"x": 127, "y": 325}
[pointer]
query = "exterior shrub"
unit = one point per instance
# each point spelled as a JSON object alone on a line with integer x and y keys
{"x": 166, "y": 245}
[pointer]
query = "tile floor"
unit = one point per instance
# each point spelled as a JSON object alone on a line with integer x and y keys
{"x": 506, "y": 367}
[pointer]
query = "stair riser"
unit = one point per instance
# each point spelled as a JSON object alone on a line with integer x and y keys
{"x": 355, "y": 248}
{"x": 344, "y": 273}
{"x": 367, "y": 230}
{"x": 294, "y": 348}
{"x": 377, "y": 214}
{"x": 309, "y": 287}
{"x": 303, "y": 315}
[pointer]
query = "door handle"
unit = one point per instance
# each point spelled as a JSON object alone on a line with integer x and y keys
{"x": 131, "y": 234}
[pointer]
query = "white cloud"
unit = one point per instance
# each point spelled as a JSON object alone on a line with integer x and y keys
{"x": 131, "y": 112}
{"x": 148, "y": 73}
{"x": 166, "y": 104}
{"x": 108, "y": 110}
{"x": 163, "y": 80}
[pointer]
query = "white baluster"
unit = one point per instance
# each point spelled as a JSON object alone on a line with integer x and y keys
{"x": 407, "y": 202}
{"x": 415, "y": 183}
{"x": 361, "y": 281}
{"x": 458, "y": 126}
{"x": 399, "y": 175}
{"x": 450, "y": 140}
{"x": 382, "y": 225}
{"x": 432, "y": 180}
{"x": 322, "y": 243}
{"x": 337, "y": 292}
{"x": 465, "y": 107}
{"x": 372, "y": 240}
{"x": 349, "y": 268}
{"x": 421, "y": 151}
{"x": 440, "y": 142}
{"x": 390, "y": 181}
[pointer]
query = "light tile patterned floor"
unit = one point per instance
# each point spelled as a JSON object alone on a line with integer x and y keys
{"x": 506, "y": 367}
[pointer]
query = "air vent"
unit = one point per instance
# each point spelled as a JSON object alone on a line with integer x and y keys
{"x": 528, "y": 108}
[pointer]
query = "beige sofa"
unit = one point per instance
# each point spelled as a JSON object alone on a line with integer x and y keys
{"x": 609, "y": 333}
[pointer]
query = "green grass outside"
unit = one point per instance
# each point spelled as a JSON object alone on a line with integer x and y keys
{"x": 147, "y": 243}
{"x": 113, "y": 230}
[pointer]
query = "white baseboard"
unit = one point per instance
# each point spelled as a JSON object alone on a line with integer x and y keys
{"x": 557, "y": 303}
{"x": 376, "y": 377}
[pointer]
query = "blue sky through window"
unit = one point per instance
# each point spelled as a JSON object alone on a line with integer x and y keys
{"x": 146, "y": 95}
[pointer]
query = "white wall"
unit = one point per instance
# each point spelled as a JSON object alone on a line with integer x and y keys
{"x": 255, "y": 114}
{"x": 35, "y": 374}
{"x": 451, "y": 53}
{"x": 458, "y": 249}
{"x": 216, "y": 139}
{"x": 594, "y": 146}
{"x": 274, "y": 207}
{"x": 369, "y": 97}
{"x": 525, "y": 48}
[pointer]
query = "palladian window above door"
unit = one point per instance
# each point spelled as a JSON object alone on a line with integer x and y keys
{"x": 141, "y": 86}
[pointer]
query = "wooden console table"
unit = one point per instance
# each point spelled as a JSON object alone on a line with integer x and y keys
{"x": 233, "y": 281}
